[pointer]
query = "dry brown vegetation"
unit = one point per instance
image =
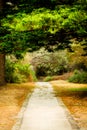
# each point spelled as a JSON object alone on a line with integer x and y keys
{"x": 74, "y": 97}
{"x": 12, "y": 97}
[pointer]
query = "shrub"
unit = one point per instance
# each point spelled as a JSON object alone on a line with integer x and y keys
{"x": 78, "y": 77}
{"x": 24, "y": 69}
{"x": 48, "y": 78}
{"x": 17, "y": 72}
{"x": 18, "y": 78}
{"x": 32, "y": 74}
{"x": 49, "y": 63}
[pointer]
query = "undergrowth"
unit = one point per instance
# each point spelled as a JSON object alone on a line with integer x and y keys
{"x": 78, "y": 77}
{"x": 17, "y": 72}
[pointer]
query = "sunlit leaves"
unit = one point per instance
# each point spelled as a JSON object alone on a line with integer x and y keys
{"x": 49, "y": 20}
{"x": 39, "y": 19}
{"x": 45, "y": 27}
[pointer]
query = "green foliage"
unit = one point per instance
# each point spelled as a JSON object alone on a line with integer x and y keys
{"x": 23, "y": 69}
{"x": 78, "y": 77}
{"x": 37, "y": 19}
{"x": 16, "y": 72}
{"x": 49, "y": 20}
{"x": 48, "y": 78}
{"x": 12, "y": 74}
{"x": 52, "y": 29}
{"x": 29, "y": 5}
{"x": 10, "y": 69}
{"x": 33, "y": 74}
{"x": 81, "y": 92}
{"x": 46, "y": 64}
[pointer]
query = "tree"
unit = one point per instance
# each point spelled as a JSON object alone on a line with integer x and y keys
{"x": 45, "y": 27}
{"x": 2, "y": 69}
{"x": 2, "y": 56}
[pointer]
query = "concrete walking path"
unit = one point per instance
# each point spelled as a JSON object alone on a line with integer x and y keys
{"x": 44, "y": 111}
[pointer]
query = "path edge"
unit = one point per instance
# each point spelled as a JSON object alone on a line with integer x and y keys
{"x": 70, "y": 117}
{"x": 19, "y": 117}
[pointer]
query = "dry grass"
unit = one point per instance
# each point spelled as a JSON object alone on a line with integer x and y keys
{"x": 74, "y": 97}
{"x": 12, "y": 97}
{"x": 64, "y": 76}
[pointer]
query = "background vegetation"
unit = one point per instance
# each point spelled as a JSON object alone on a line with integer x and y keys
{"x": 50, "y": 63}
{"x": 27, "y": 26}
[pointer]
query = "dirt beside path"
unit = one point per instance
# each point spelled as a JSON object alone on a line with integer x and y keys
{"x": 12, "y": 97}
{"x": 74, "y": 97}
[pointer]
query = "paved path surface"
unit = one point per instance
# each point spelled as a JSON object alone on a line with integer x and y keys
{"x": 44, "y": 111}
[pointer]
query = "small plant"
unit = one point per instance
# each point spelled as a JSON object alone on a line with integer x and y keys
{"x": 48, "y": 78}
{"x": 32, "y": 74}
{"x": 78, "y": 77}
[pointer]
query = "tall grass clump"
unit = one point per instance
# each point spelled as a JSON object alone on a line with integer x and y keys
{"x": 78, "y": 77}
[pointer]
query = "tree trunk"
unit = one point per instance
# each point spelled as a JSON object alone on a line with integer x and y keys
{"x": 2, "y": 69}
{"x": 1, "y": 5}
{"x": 2, "y": 56}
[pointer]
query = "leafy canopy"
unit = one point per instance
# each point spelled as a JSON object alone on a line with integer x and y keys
{"x": 52, "y": 29}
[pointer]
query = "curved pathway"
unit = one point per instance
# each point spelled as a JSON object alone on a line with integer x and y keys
{"x": 45, "y": 112}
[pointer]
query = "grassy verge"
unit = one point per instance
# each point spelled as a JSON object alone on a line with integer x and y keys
{"x": 74, "y": 97}
{"x": 12, "y": 97}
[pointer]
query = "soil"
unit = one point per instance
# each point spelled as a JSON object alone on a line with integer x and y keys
{"x": 74, "y": 97}
{"x": 12, "y": 97}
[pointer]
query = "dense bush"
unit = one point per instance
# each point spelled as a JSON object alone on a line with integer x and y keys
{"x": 16, "y": 72}
{"x": 47, "y": 63}
{"x": 78, "y": 77}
